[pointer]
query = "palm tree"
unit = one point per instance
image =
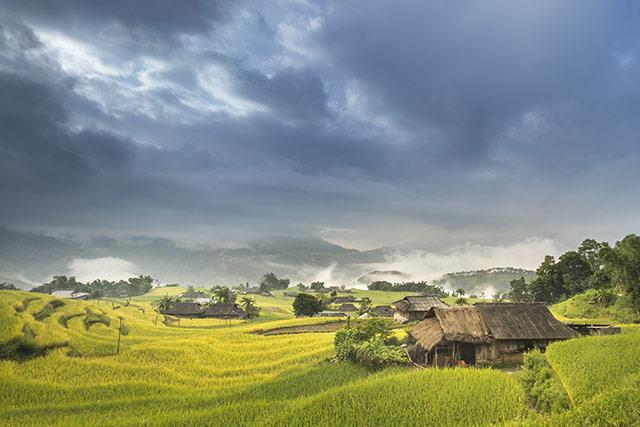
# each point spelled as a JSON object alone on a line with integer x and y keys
{"x": 250, "y": 307}
{"x": 165, "y": 303}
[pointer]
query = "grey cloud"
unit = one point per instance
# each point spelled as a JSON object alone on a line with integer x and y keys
{"x": 465, "y": 121}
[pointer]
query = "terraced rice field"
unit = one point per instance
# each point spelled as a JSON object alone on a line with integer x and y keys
{"x": 207, "y": 372}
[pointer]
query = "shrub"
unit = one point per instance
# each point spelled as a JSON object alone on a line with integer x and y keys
{"x": 367, "y": 344}
{"x": 376, "y": 355}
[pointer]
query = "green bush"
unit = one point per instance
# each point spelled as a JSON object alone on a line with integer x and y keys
{"x": 376, "y": 355}
{"x": 543, "y": 388}
{"x": 367, "y": 344}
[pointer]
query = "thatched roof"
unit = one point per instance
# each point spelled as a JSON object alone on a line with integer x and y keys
{"x": 184, "y": 309}
{"x": 347, "y": 307}
{"x": 224, "y": 310}
{"x": 342, "y": 300}
{"x": 418, "y": 303}
{"x": 383, "y": 311}
{"x": 483, "y": 323}
{"x": 531, "y": 321}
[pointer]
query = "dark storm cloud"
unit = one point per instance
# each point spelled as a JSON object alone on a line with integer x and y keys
{"x": 431, "y": 120}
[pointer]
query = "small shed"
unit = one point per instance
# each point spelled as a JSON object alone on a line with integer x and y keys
{"x": 347, "y": 307}
{"x": 382, "y": 311}
{"x": 330, "y": 314}
{"x": 485, "y": 333}
{"x": 412, "y": 308}
{"x": 71, "y": 295}
{"x": 224, "y": 310}
{"x": 185, "y": 309}
{"x": 594, "y": 329}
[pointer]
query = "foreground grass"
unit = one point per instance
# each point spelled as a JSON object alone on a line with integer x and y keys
{"x": 207, "y": 372}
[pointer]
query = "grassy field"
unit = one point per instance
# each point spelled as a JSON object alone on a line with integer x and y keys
{"x": 581, "y": 307}
{"x": 214, "y": 373}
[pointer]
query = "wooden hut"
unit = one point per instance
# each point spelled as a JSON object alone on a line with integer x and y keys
{"x": 382, "y": 311}
{"x": 485, "y": 333}
{"x": 413, "y": 308}
{"x": 224, "y": 310}
{"x": 185, "y": 309}
{"x": 347, "y": 307}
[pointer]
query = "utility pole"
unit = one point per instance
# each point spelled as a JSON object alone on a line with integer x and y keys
{"x": 119, "y": 332}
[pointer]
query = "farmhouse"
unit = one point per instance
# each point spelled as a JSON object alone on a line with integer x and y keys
{"x": 225, "y": 310}
{"x": 485, "y": 333}
{"x": 330, "y": 314}
{"x": 382, "y": 311}
{"x": 71, "y": 294}
{"x": 185, "y": 309}
{"x": 413, "y": 308}
{"x": 255, "y": 291}
{"x": 347, "y": 307}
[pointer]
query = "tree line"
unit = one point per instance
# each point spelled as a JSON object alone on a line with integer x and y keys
{"x": 131, "y": 287}
{"x": 422, "y": 287}
{"x": 610, "y": 271}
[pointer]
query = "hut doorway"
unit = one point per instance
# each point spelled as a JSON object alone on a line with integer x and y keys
{"x": 467, "y": 353}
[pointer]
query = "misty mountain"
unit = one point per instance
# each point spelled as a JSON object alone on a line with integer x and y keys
{"x": 487, "y": 282}
{"x": 33, "y": 258}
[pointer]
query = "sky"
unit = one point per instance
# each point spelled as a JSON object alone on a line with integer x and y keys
{"x": 420, "y": 124}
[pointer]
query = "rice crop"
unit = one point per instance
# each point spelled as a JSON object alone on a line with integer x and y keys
{"x": 211, "y": 372}
{"x": 592, "y": 365}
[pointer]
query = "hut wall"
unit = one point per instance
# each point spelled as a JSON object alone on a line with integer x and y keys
{"x": 415, "y": 315}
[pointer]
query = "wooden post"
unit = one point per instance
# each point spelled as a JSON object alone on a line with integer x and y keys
{"x": 435, "y": 358}
{"x": 119, "y": 332}
{"x": 348, "y": 322}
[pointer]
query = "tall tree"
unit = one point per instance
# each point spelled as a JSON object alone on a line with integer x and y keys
{"x": 270, "y": 282}
{"x": 307, "y": 305}
{"x": 624, "y": 264}
{"x": 519, "y": 290}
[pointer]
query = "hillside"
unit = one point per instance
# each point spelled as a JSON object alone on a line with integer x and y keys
{"x": 484, "y": 282}
{"x": 581, "y": 306}
{"x": 39, "y": 257}
{"x": 225, "y": 374}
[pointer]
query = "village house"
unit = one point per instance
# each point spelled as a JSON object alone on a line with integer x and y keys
{"x": 224, "y": 310}
{"x": 485, "y": 333}
{"x": 330, "y": 314}
{"x": 346, "y": 299}
{"x": 71, "y": 295}
{"x": 414, "y": 308}
{"x": 382, "y": 311}
{"x": 347, "y": 307}
{"x": 185, "y": 309}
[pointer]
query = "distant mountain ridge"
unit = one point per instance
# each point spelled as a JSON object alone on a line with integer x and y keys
{"x": 33, "y": 258}
{"x": 484, "y": 282}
